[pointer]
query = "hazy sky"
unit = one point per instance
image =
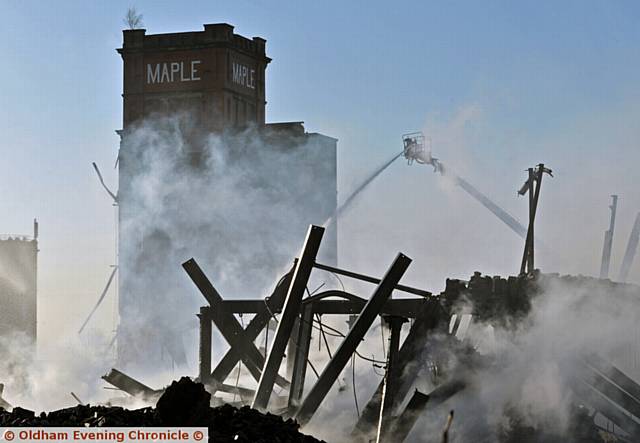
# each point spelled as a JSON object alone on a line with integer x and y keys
{"x": 499, "y": 86}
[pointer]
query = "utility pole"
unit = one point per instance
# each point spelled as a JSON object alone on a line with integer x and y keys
{"x": 532, "y": 185}
{"x": 608, "y": 239}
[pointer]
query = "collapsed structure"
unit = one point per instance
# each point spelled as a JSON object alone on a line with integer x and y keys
{"x": 603, "y": 393}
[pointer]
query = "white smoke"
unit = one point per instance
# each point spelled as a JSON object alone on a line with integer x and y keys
{"x": 43, "y": 379}
{"x": 534, "y": 362}
{"x": 239, "y": 203}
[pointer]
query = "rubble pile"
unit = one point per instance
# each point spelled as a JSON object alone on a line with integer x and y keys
{"x": 184, "y": 403}
{"x": 507, "y": 301}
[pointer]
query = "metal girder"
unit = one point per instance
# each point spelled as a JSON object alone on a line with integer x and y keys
{"x": 251, "y": 306}
{"x": 131, "y": 386}
{"x": 244, "y": 393}
{"x": 611, "y": 391}
{"x": 227, "y": 324}
{"x": 303, "y": 343}
{"x": 136, "y": 389}
{"x": 600, "y": 403}
{"x": 369, "y": 279}
{"x": 204, "y": 367}
{"x": 391, "y": 378}
{"x": 263, "y": 314}
{"x": 417, "y": 404}
{"x": 301, "y": 275}
{"x": 352, "y": 340}
{"x": 291, "y": 348}
{"x": 405, "y": 421}
{"x": 616, "y": 375}
{"x": 446, "y": 390}
{"x": 405, "y": 307}
{"x": 411, "y": 349}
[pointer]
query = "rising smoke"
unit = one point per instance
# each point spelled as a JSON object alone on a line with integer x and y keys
{"x": 526, "y": 376}
{"x": 43, "y": 381}
{"x": 239, "y": 203}
{"x": 520, "y": 373}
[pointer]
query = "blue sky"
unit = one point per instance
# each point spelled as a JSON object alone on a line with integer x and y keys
{"x": 498, "y": 85}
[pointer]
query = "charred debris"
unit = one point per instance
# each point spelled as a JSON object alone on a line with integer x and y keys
{"x": 183, "y": 403}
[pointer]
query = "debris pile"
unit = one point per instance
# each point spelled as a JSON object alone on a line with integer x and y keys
{"x": 505, "y": 301}
{"x": 184, "y": 403}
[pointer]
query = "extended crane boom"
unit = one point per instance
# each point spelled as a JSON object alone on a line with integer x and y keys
{"x": 415, "y": 150}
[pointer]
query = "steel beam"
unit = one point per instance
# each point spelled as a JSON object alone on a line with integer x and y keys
{"x": 303, "y": 343}
{"x": 410, "y": 352}
{"x": 611, "y": 391}
{"x": 291, "y": 348}
{"x": 251, "y": 306}
{"x": 407, "y": 419}
{"x": 353, "y": 339}
{"x": 131, "y": 386}
{"x": 616, "y": 375}
{"x": 244, "y": 393}
{"x": 600, "y": 403}
{"x": 290, "y": 311}
{"x": 405, "y": 307}
{"x": 391, "y": 377}
{"x": 205, "y": 345}
{"x": 369, "y": 279}
{"x": 264, "y": 312}
{"x": 227, "y": 324}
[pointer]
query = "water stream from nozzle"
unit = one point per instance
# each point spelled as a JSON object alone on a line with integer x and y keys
{"x": 340, "y": 210}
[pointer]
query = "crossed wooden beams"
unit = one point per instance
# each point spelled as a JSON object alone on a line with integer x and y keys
{"x": 287, "y": 298}
{"x": 241, "y": 340}
{"x": 290, "y": 291}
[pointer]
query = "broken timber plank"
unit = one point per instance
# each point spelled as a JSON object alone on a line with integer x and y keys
{"x": 357, "y": 332}
{"x": 131, "y": 386}
{"x": 289, "y": 314}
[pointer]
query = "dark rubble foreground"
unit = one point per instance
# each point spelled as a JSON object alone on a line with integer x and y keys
{"x": 184, "y": 403}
